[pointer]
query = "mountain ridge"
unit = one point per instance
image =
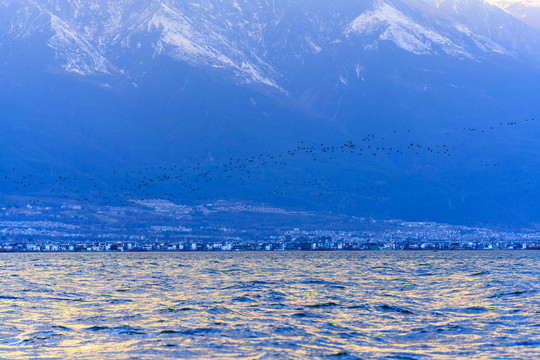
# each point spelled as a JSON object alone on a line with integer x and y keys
{"x": 86, "y": 46}
{"x": 95, "y": 87}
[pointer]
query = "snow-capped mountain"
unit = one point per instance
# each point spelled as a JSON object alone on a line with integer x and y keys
{"x": 93, "y": 37}
{"x": 459, "y": 28}
{"x": 253, "y": 39}
{"x": 91, "y": 85}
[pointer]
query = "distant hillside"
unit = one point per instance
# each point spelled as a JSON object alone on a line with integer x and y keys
{"x": 420, "y": 110}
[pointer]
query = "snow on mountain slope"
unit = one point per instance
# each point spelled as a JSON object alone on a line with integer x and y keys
{"x": 484, "y": 43}
{"x": 89, "y": 37}
{"x": 493, "y": 23}
{"x": 215, "y": 49}
{"x": 77, "y": 53}
{"x": 459, "y": 28}
{"x": 258, "y": 41}
{"x": 393, "y": 25}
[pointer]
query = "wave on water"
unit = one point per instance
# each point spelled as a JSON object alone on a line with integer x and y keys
{"x": 347, "y": 305}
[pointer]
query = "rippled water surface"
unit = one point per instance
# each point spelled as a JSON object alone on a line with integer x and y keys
{"x": 347, "y": 305}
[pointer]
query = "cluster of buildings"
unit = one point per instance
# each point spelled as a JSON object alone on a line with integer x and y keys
{"x": 158, "y": 225}
{"x": 304, "y": 243}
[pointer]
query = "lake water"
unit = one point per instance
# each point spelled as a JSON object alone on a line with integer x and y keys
{"x": 266, "y": 305}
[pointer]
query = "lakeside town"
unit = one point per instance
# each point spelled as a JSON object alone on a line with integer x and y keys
{"x": 160, "y": 225}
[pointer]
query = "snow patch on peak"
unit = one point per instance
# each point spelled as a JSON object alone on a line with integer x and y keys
{"x": 393, "y": 25}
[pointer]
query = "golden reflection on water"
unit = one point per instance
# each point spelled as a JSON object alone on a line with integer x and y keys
{"x": 270, "y": 305}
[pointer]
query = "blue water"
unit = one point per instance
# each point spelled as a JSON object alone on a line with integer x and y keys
{"x": 266, "y": 305}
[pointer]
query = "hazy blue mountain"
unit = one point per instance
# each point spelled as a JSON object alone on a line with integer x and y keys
{"x": 97, "y": 89}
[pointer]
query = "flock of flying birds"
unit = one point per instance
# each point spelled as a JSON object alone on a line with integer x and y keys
{"x": 174, "y": 182}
